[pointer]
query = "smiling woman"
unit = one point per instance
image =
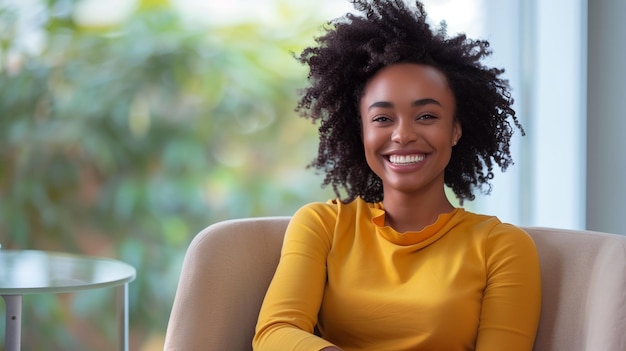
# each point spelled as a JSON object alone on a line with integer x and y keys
{"x": 403, "y": 109}
{"x": 409, "y": 127}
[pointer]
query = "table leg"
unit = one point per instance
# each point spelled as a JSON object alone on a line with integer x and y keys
{"x": 122, "y": 316}
{"x": 13, "y": 327}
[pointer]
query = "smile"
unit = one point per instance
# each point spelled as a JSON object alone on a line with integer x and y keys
{"x": 406, "y": 159}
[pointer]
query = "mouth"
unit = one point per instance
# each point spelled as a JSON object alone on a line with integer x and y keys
{"x": 406, "y": 159}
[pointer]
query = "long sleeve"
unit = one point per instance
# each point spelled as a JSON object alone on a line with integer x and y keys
{"x": 512, "y": 298}
{"x": 289, "y": 312}
{"x": 467, "y": 282}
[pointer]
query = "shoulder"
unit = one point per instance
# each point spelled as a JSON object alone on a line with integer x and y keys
{"x": 497, "y": 235}
{"x": 511, "y": 234}
{"x": 313, "y": 219}
{"x": 318, "y": 210}
{"x": 333, "y": 215}
{"x": 491, "y": 226}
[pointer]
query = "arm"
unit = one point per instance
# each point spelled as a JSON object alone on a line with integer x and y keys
{"x": 512, "y": 299}
{"x": 290, "y": 308}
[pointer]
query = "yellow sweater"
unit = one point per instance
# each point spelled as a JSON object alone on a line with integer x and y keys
{"x": 466, "y": 282}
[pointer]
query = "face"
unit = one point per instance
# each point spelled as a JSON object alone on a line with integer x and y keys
{"x": 409, "y": 127}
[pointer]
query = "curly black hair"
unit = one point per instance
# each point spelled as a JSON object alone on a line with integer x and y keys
{"x": 355, "y": 47}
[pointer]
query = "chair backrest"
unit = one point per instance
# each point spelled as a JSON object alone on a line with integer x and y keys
{"x": 583, "y": 290}
{"x": 228, "y": 267}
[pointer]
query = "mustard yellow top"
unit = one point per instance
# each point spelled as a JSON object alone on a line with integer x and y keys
{"x": 466, "y": 282}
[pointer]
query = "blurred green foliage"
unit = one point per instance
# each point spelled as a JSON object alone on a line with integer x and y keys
{"x": 124, "y": 141}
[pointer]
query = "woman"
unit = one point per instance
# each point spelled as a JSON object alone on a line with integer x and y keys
{"x": 392, "y": 264}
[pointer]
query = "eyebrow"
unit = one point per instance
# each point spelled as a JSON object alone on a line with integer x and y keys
{"x": 416, "y": 103}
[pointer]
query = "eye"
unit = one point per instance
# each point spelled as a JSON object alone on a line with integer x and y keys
{"x": 381, "y": 119}
{"x": 426, "y": 117}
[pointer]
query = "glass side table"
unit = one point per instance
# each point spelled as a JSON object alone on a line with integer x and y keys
{"x": 43, "y": 272}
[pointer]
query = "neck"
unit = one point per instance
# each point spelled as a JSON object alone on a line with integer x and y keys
{"x": 408, "y": 212}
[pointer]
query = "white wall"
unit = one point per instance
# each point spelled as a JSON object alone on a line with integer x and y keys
{"x": 542, "y": 46}
{"x": 606, "y": 124}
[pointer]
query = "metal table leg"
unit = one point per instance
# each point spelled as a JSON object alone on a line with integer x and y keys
{"x": 13, "y": 327}
{"x": 122, "y": 316}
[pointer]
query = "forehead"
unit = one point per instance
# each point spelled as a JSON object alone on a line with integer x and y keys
{"x": 407, "y": 80}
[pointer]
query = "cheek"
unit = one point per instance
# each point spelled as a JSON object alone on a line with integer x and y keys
{"x": 443, "y": 135}
{"x": 369, "y": 139}
{"x": 370, "y": 147}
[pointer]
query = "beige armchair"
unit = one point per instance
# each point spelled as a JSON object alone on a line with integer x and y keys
{"x": 229, "y": 265}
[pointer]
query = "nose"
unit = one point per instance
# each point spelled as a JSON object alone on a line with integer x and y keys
{"x": 404, "y": 133}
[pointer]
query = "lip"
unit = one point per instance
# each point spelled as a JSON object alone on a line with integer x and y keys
{"x": 388, "y": 154}
{"x": 405, "y": 167}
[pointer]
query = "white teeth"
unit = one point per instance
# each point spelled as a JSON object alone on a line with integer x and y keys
{"x": 405, "y": 159}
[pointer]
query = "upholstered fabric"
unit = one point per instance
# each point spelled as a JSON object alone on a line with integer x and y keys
{"x": 229, "y": 265}
{"x": 226, "y": 271}
{"x": 584, "y": 290}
